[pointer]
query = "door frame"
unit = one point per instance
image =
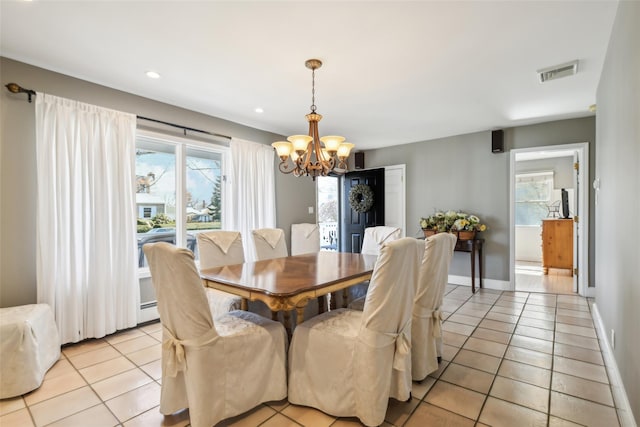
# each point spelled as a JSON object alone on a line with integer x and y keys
{"x": 402, "y": 206}
{"x": 581, "y": 228}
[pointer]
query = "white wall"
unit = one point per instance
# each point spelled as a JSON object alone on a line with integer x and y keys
{"x": 528, "y": 243}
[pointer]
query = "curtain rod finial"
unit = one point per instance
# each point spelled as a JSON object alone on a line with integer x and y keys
{"x": 16, "y": 88}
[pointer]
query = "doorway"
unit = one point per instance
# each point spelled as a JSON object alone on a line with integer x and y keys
{"x": 538, "y": 178}
{"x": 353, "y": 223}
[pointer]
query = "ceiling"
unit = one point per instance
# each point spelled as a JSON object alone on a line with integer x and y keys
{"x": 394, "y": 72}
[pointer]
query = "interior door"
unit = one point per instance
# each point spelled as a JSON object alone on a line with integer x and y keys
{"x": 394, "y": 198}
{"x": 354, "y": 223}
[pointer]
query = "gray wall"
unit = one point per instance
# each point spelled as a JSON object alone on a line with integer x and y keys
{"x": 461, "y": 172}
{"x": 617, "y": 167}
{"x": 18, "y": 163}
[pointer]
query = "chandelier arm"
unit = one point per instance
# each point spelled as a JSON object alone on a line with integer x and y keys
{"x": 284, "y": 167}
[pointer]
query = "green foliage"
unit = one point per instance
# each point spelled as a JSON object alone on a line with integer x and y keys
{"x": 158, "y": 221}
{"x": 162, "y": 220}
{"x": 215, "y": 207}
{"x": 452, "y": 220}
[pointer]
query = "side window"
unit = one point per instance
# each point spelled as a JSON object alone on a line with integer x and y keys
{"x": 327, "y": 201}
{"x": 179, "y": 191}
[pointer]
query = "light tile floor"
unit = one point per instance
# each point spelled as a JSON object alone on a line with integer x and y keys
{"x": 509, "y": 359}
{"x": 529, "y": 278}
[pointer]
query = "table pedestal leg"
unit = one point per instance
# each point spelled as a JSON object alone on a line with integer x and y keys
{"x": 332, "y": 303}
{"x": 287, "y": 323}
{"x": 244, "y": 305}
{"x": 274, "y": 315}
{"x": 322, "y": 304}
{"x": 300, "y": 315}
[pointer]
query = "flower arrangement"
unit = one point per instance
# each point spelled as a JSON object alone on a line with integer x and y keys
{"x": 452, "y": 221}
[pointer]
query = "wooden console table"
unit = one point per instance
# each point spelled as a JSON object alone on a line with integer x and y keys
{"x": 472, "y": 246}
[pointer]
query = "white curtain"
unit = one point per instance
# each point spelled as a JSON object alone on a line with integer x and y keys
{"x": 86, "y": 233}
{"x": 252, "y": 199}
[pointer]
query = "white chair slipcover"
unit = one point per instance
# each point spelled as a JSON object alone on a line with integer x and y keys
{"x": 218, "y": 248}
{"x": 305, "y": 238}
{"x": 374, "y": 238}
{"x": 269, "y": 243}
{"x": 217, "y": 369}
{"x": 436, "y": 252}
{"x": 29, "y": 346}
{"x": 348, "y": 362}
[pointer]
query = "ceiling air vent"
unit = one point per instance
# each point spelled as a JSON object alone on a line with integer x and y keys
{"x": 557, "y": 71}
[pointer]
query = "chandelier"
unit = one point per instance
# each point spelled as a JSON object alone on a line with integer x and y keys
{"x": 307, "y": 155}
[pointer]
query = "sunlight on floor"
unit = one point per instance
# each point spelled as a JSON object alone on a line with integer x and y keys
{"x": 530, "y": 278}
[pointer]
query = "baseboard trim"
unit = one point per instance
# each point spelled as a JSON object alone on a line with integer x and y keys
{"x": 617, "y": 387}
{"x": 147, "y": 313}
{"x": 500, "y": 285}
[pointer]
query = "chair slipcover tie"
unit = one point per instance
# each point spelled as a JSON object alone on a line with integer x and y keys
{"x": 402, "y": 340}
{"x": 176, "y": 361}
{"x": 434, "y": 315}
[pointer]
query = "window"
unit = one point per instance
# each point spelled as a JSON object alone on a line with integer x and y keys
{"x": 328, "y": 205}
{"x": 179, "y": 190}
{"x": 533, "y": 197}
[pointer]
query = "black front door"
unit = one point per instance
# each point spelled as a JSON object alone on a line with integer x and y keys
{"x": 354, "y": 223}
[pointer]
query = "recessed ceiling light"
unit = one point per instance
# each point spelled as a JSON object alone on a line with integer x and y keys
{"x": 259, "y": 110}
{"x": 153, "y": 75}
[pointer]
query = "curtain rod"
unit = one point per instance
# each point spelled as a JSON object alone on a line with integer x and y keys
{"x": 184, "y": 128}
{"x": 16, "y": 88}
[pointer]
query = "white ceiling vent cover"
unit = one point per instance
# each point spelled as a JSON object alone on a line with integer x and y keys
{"x": 558, "y": 71}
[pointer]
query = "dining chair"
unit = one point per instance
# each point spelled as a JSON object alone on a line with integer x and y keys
{"x": 374, "y": 238}
{"x": 218, "y": 368}
{"x": 305, "y": 238}
{"x": 269, "y": 243}
{"x": 348, "y": 362}
{"x": 218, "y": 248}
{"x": 426, "y": 327}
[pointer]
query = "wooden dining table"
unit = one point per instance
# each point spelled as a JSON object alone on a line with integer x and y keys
{"x": 288, "y": 283}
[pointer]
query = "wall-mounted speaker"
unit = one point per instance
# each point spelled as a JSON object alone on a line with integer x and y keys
{"x": 359, "y": 160}
{"x": 497, "y": 141}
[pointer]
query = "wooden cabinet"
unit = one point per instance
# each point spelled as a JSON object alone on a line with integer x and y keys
{"x": 557, "y": 244}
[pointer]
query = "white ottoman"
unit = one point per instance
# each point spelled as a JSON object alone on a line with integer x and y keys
{"x": 29, "y": 346}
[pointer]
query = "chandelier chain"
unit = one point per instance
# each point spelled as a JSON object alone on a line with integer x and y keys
{"x": 313, "y": 90}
